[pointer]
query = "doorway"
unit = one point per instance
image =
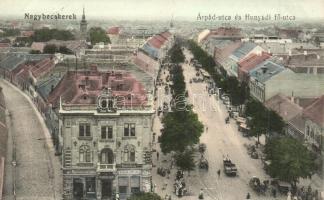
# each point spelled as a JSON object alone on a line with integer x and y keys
{"x": 106, "y": 189}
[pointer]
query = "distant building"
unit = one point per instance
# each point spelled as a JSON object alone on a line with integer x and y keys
{"x": 83, "y": 27}
{"x": 105, "y": 121}
{"x": 314, "y": 124}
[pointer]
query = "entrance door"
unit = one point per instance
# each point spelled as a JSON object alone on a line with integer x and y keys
{"x": 77, "y": 189}
{"x": 106, "y": 190}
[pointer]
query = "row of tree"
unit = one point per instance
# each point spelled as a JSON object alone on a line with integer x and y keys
{"x": 52, "y": 49}
{"x": 181, "y": 127}
{"x": 238, "y": 92}
{"x": 45, "y": 34}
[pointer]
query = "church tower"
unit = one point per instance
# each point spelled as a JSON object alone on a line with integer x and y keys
{"x": 83, "y": 26}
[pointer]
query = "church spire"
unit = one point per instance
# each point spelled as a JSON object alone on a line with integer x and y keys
{"x": 83, "y": 15}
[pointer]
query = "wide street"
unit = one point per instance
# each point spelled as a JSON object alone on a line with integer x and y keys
{"x": 37, "y": 173}
{"x": 221, "y": 140}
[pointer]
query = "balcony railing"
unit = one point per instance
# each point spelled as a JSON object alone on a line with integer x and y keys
{"x": 102, "y": 167}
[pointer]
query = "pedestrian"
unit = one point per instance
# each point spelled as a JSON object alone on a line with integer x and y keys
{"x": 201, "y": 194}
{"x": 206, "y": 128}
{"x": 218, "y": 172}
{"x": 248, "y": 196}
{"x": 157, "y": 155}
{"x": 274, "y": 192}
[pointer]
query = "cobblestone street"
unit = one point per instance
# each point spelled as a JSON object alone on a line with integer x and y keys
{"x": 37, "y": 173}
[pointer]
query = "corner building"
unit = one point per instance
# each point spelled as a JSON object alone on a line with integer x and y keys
{"x": 105, "y": 121}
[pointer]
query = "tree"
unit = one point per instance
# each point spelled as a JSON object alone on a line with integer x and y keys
{"x": 97, "y": 35}
{"x": 45, "y": 34}
{"x": 185, "y": 160}
{"x": 289, "y": 159}
{"x": 176, "y": 54}
{"x": 65, "y": 50}
{"x": 181, "y": 129}
{"x": 145, "y": 196}
{"x": 34, "y": 52}
{"x": 50, "y": 49}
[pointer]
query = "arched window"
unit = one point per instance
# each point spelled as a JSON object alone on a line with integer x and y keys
{"x": 107, "y": 156}
{"x": 84, "y": 154}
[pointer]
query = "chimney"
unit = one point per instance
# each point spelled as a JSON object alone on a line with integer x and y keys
{"x": 289, "y": 52}
{"x": 318, "y": 57}
{"x": 292, "y": 97}
{"x": 305, "y": 53}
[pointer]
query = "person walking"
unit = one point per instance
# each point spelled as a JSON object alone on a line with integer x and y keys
{"x": 218, "y": 172}
{"x": 157, "y": 155}
{"x": 248, "y": 196}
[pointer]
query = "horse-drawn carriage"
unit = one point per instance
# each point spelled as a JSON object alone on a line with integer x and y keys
{"x": 257, "y": 186}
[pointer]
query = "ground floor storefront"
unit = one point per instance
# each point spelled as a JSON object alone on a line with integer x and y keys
{"x": 105, "y": 185}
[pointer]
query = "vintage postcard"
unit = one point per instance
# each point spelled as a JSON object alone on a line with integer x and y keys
{"x": 161, "y": 100}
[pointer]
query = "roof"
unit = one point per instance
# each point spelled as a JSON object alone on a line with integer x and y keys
{"x": 83, "y": 87}
{"x": 315, "y": 111}
{"x": 221, "y": 54}
{"x": 38, "y": 46}
{"x": 284, "y": 106}
{"x": 113, "y": 30}
{"x": 301, "y": 60}
{"x": 244, "y": 49}
{"x": 4, "y": 45}
{"x": 266, "y": 70}
{"x": 252, "y": 61}
{"x": 154, "y": 42}
{"x": 44, "y": 87}
{"x": 12, "y": 61}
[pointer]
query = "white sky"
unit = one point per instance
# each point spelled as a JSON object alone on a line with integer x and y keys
{"x": 163, "y": 9}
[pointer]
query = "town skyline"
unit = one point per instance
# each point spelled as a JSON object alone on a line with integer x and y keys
{"x": 155, "y": 10}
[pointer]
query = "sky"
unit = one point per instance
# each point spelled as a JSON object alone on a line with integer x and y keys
{"x": 163, "y": 9}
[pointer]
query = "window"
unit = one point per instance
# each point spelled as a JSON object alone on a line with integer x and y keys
{"x": 129, "y": 153}
{"x": 84, "y": 130}
{"x": 84, "y": 154}
{"x": 106, "y": 132}
{"x": 132, "y": 155}
{"x": 135, "y": 184}
{"x": 122, "y": 185}
{"x": 107, "y": 156}
{"x": 129, "y": 130}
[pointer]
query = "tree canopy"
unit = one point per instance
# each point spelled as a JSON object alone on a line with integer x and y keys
{"x": 289, "y": 159}
{"x": 45, "y": 34}
{"x": 185, "y": 160}
{"x": 145, "y": 196}
{"x": 181, "y": 129}
{"x": 97, "y": 35}
{"x": 176, "y": 54}
{"x": 52, "y": 48}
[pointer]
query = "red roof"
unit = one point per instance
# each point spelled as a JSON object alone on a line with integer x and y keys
{"x": 83, "y": 87}
{"x": 315, "y": 111}
{"x": 113, "y": 30}
{"x": 42, "y": 67}
{"x": 252, "y": 61}
{"x": 166, "y": 34}
{"x": 4, "y": 45}
{"x": 154, "y": 42}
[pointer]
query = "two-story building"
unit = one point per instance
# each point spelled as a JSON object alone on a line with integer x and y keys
{"x": 105, "y": 121}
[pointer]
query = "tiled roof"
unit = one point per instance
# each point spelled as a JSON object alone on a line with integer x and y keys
{"x": 252, "y": 61}
{"x": 284, "y": 106}
{"x": 83, "y": 87}
{"x": 38, "y": 46}
{"x": 154, "y": 42}
{"x": 244, "y": 49}
{"x": 301, "y": 60}
{"x": 315, "y": 111}
{"x": 222, "y": 54}
{"x": 12, "y": 61}
{"x": 266, "y": 70}
{"x": 4, "y": 45}
{"x": 113, "y": 30}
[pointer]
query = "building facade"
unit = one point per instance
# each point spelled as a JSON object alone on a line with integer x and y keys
{"x": 105, "y": 135}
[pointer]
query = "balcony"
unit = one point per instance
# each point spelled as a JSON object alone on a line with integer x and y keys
{"x": 103, "y": 167}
